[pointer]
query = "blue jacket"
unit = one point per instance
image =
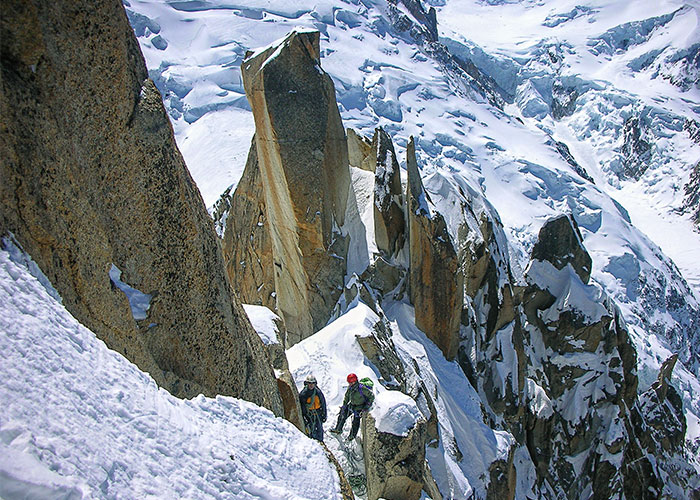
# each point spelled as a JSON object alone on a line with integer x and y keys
{"x": 312, "y": 400}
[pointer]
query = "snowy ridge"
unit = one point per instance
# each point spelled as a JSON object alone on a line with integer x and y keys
{"x": 80, "y": 421}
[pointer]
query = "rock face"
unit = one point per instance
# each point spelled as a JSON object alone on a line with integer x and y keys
{"x": 388, "y": 200}
{"x": 379, "y": 349}
{"x": 435, "y": 279}
{"x": 360, "y": 152}
{"x": 247, "y": 244}
{"x": 303, "y": 161}
{"x": 92, "y": 182}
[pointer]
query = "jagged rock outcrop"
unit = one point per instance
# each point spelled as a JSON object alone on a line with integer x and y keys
{"x": 581, "y": 386}
{"x": 427, "y": 20}
{"x": 502, "y": 477}
{"x": 563, "y": 100}
{"x": 555, "y": 366}
{"x": 565, "y": 153}
{"x": 247, "y": 244}
{"x": 560, "y": 243}
{"x": 220, "y": 211}
{"x": 303, "y": 161}
{"x": 389, "y": 225}
{"x": 693, "y": 129}
{"x": 271, "y": 329}
{"x": 421, "y": 26}
{"x": 96, "y": 191}
{"x": 577, "y": 402}
{"x": 395, "y": 464}
{"x": 360, "y": 152}
{"x": 663, "y": 410}
{"x": 435, "y": 278}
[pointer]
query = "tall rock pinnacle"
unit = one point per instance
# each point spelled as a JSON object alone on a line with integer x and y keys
{"x": 303, "y": 159}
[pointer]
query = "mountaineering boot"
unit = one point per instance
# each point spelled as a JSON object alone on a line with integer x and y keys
{"x": 335, "y": 430}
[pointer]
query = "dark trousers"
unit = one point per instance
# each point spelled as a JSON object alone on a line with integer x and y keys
{"x": 314, "y": 426}
{"x": 345, "y": 412}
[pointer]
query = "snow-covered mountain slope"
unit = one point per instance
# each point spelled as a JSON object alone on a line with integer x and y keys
{"x": 80, "y": 421}
{"x": 542, "y": 107}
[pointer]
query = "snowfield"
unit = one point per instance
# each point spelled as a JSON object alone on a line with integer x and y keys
{"x": 80, "y": 421}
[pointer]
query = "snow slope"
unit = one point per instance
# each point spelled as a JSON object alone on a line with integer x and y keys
{"x": 80, "y": 421}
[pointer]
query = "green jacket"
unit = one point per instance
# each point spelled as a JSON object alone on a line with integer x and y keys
{"x": 358, "y": 397}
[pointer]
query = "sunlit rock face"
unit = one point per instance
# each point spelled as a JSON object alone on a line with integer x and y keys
{"x": 96, "y": 191}
{"x": 360, "y": 151}
{"x": 303, "y": 159}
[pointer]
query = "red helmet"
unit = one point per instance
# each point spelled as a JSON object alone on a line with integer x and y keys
{"x": 352, "y": 378}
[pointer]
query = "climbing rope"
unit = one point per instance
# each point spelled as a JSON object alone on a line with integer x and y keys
{"x": 356, "y": 466}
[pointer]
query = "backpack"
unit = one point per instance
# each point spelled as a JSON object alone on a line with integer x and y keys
{"x": 367, "y": 385}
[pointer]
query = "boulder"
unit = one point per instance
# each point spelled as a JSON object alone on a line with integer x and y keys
{"x": 435, "y": 278}
{"x": 389, "y": 225}
{"x": 290, "y": 398}
{"x": 303, "y": 159}
{"x": 96, "y": 191}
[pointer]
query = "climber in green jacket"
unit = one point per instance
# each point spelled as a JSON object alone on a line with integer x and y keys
{"x": 358, "y": 399}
